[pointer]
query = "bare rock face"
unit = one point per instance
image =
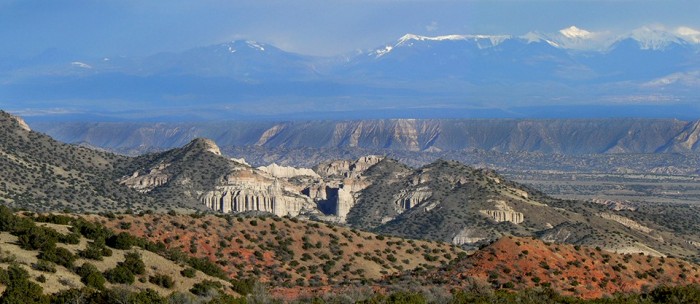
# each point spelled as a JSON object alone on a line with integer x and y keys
{"x": 240, "y": 161}
{"x": 339, "y": 181}
{"x": 503, "y": 213}
{"x": 207, "y": 145}
{"x": 409, "y": 199}
{"x": 345, "y": 202}
{"x": 145, "y": 183}
{"x": 467, "y": 236}
{"x": 22, "y": 124}
{"x": 626, "y": 222}
{"x": 348, "y": 168}
{"x": 269, "y": 134}
{"x": 615, "y": 205}
{"x": 287, "y": 172}
{"x": 246, "y": 190}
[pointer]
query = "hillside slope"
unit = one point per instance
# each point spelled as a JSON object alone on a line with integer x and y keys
{"x": 286, "y": 252}
{"x": 43, "y": 174}
{"x": 520, "y": 263}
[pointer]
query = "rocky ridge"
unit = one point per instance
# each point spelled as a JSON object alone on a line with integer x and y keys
{"x": 559, "y": 136}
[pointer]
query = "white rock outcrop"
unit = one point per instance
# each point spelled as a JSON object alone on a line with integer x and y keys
{"x": 231, "y": 199}
{"x": 467, "y": 236}
{"x": 21, "y": 122}
{"x": 287, "y": 172}
{"x": 626, "y": 222}
{"x": 145, "y": 183}
{"x": 409, "y": 199}
{"x": 503, "y": 213}
{"x": 348, "y": 168}
{"x": 247, "y": 195}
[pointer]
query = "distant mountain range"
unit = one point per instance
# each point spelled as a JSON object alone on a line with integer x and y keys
{"x": 573, "y": 73}
{"x": 561, "y": 136}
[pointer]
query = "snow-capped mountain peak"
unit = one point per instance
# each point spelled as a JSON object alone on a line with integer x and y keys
{"x": 408, "y": 40}
{"x": 574, "y": 32}
{"x": 654, "y": 37}
{"x": 235, "y": 46}
{"x": 495, "y": 39}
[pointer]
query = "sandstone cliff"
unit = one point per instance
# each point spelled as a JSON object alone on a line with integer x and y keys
{"x": 347, "y": 168}
{"x": 408, "y": 199}
{"x": 503, "y": 213}
{"x": 287, "y": 172}
{"x": 147, "y": 182}
{"x": 626, "y": 222}
{"x": 198, "y": 172}
{"x": 467, "y": 236}
{"x": 22, "y": 124}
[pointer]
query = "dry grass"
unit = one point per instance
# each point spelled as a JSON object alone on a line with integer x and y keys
{"x": 64, "y": 279}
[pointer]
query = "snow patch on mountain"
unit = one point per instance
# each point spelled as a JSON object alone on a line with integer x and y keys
{"x": 255, "y": 45}
{"x": 381, "y": 52}
{"x": 654, "y": 37}
{"x": 574, "y": 32}
{"x": 81, "y": 65}
{"x": 494, "y": 39}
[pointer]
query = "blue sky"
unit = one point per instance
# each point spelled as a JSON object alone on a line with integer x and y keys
{"x": 317, "y": 27}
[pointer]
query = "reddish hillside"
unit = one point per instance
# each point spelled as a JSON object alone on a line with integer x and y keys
{"x": 518, "y": 263}
{"x": 285, "y": 252}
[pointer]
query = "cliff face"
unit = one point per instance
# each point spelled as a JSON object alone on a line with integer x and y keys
{"x": 570, "y": 136}
{"x": 147, "y": 182}
{"x": 287, "y": 172}
{"x": 22, "y": 124}
{"x": 626, "y": 222}
{"x": 503, "y": 213}
{"x": 199, "y": 174}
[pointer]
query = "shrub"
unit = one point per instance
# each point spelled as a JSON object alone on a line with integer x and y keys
{"x": 37, "y": 238}
{"x": 44, "y": 266}
{"x": 244, "y": 286}
{"x": 188, "y": 272}
{"x": 206, "y": 266}
{"x": 94, "y": 251}
{"x": 133, "y": 262}
{"x": 162, "y": 280}
{"x": 122, "y": 241}
{"x": 119, "y": 275}
{"x": 19, "y": 288}
{"x": 58, "y": 255}
{"x": 94, "y": 279}
{"x": 202, "y": 288}
{"x": 41, "y": 279}
{"x": 148, "y": 296}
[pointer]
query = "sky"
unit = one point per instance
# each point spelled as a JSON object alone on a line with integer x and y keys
{"x": 313, "y": 27}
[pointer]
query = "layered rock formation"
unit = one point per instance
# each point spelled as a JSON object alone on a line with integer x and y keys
{"x": 504, "y": 213}
{"x": 626, "y": 222}
{"x": 339, "y": 182}
{"x": 234, "y": 198}
{"x": 347, "y": 168}
{"x": 22, "y": 124}
{"x": 467, "y": 236}
{"x": 409, "y": 199}
{"x": 247, "y": 189}
{"x": 287, "y": 172}
{"x": 156, "y": 177}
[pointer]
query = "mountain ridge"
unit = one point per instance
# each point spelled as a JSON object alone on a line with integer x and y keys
{"x": 475, "y": 75}
{"x": 419, "y": 135}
